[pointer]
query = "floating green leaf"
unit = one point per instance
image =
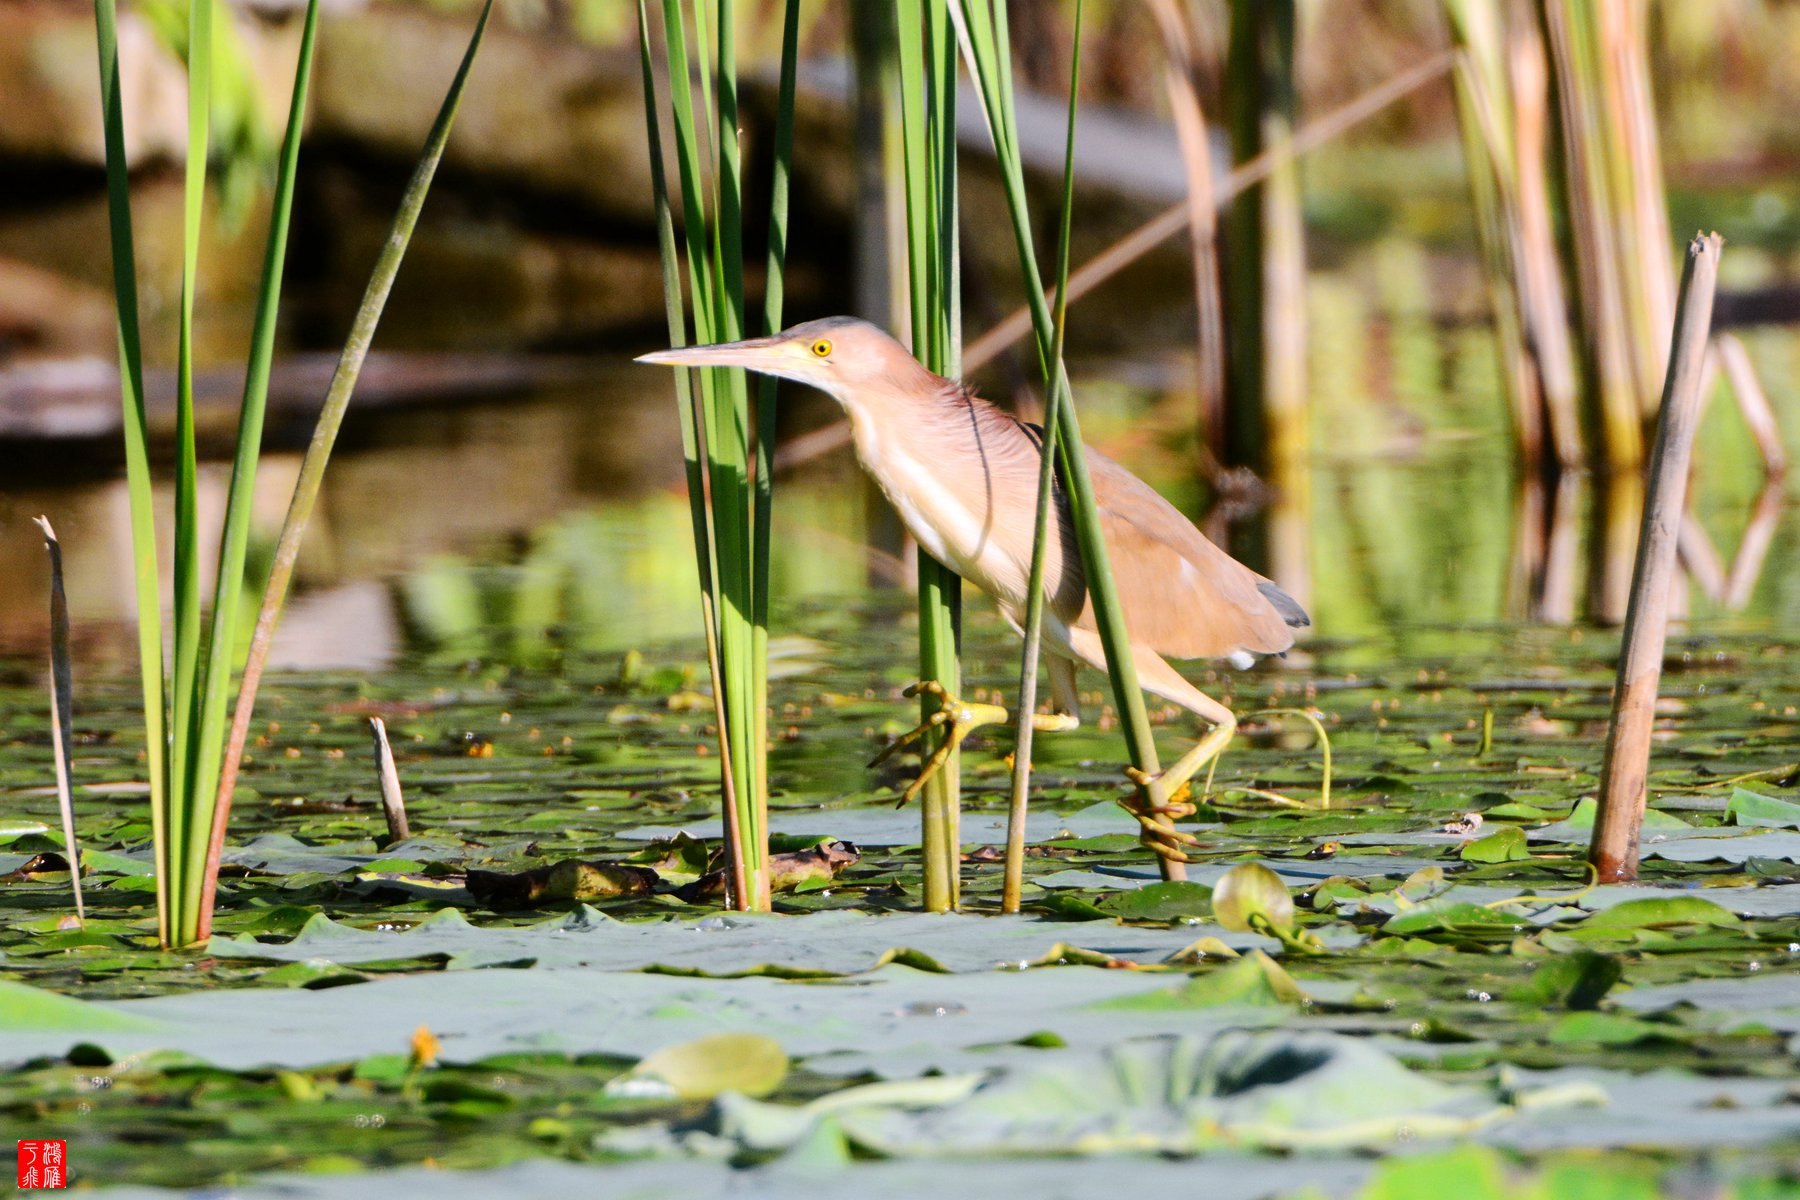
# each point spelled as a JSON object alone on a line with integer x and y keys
{"x": 1505, "y": 844}
{"x": 24, "y": 1008}
{"x": 1753, "y": 808}
{"x": 747, "y": 1063}
{"x": 1661, "y": 912}
{"x": 1575, "y": 981}
{"x": 1169, "y": 901}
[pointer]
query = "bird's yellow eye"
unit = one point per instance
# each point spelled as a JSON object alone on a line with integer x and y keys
{"x": 821, "y": 349}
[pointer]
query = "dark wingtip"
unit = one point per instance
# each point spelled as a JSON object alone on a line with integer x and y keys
{"x": 1286, "y": 605}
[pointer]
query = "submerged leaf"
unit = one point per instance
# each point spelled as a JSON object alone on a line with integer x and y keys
{"x": 1607, "y": 1029}
{"x": 1467, "y": 1173}
{"x": 1254, "y": 979}
{"x": 1575, "y": 981}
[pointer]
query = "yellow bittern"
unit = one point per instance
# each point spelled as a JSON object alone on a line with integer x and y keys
{"x": 964, "y": 477}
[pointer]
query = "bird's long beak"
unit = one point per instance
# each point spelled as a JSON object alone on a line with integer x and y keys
{"x": 756, "y": 354}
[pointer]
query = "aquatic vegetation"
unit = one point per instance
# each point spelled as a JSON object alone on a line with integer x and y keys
{"x": 982, "y": 26}
{"x": 1501, "y": 999}
{"x": 730, "y": 472}
{"x": 191, "y": 767}
{"x": 927, "y": 79}
{"x": 1412, "y": 986}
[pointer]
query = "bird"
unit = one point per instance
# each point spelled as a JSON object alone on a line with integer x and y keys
{"x": 963, "y": 476}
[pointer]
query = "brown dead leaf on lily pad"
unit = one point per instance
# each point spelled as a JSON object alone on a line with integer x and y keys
{"x": 815, "y": 866}
{"x": 570, "y": 879}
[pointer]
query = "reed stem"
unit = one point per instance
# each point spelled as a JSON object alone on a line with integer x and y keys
{"x": 1012, "y": 885}
{"x": 393, "y": 799}
{"x": 1625, "y": 773}
{"x": 318, "y": 454}
{"x": 145, "y": 579}
{"x": 981, "y": 26}
{"x": 927, "y": 58}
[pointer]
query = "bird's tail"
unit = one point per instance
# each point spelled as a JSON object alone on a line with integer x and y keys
{"x": 1286, "y": 605}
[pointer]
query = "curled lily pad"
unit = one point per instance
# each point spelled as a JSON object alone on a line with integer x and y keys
{"x": 1505, "y": 844}
{"x": 1657, "y": 912}
{"x": 747, "y": 1063}
{"x": 1250, "y": 891}
{"x": 1753, "y": 808}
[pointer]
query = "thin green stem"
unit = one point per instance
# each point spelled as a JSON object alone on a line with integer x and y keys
{"x": 721, "y": 433}
{"x": 979, "y": 23}
{"x": 1014, "y": 877}
{"x": 324, "y": 438}
{"x": 688, "y": 409}
{"x": 62, "y": 710}
{"x": 137, "y": 456}
{"x": 766, "y": 411}
{"x": 234, "y": 540}
{"x": 927, "y": 61}
{"x": 182, "y": 829}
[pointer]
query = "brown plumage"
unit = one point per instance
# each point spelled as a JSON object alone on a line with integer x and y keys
{"x": 963, "y": 476}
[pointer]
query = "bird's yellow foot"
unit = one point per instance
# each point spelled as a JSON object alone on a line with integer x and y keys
{"x": 1164, "y": 797}
{"x": 1168, "y": 801}
{"x": 962, "y": 718}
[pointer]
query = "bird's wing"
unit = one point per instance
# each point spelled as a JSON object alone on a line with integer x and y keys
{"x": 1184, "y": 597}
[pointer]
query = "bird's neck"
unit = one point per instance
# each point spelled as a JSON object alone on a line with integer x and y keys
{"x": 889, "y": 419}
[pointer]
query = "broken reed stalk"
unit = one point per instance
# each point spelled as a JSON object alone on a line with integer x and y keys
{"x": 1753, "y": 403}
{"x": 927, "y": 56}
{"x": 62, "y": 709}
{"x": 1172, "y": 220}
{"x": 318, "y": 454}
{"x": 1013, "y": 877}
{"x": 1624, "y": 777}
{"x": 1753, "y": 548}
{"x": 393, "y": 800}
{"x": 1542, "y": 295}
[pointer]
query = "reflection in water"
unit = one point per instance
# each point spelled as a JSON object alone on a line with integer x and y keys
{"x": 531, "y": 524}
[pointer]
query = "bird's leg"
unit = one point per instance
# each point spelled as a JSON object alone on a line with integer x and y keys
{"x": 963, "y": 718}
{"x": 1166, "y": 792}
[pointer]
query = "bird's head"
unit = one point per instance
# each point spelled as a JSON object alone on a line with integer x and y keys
{"x": 841, "y": 356}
